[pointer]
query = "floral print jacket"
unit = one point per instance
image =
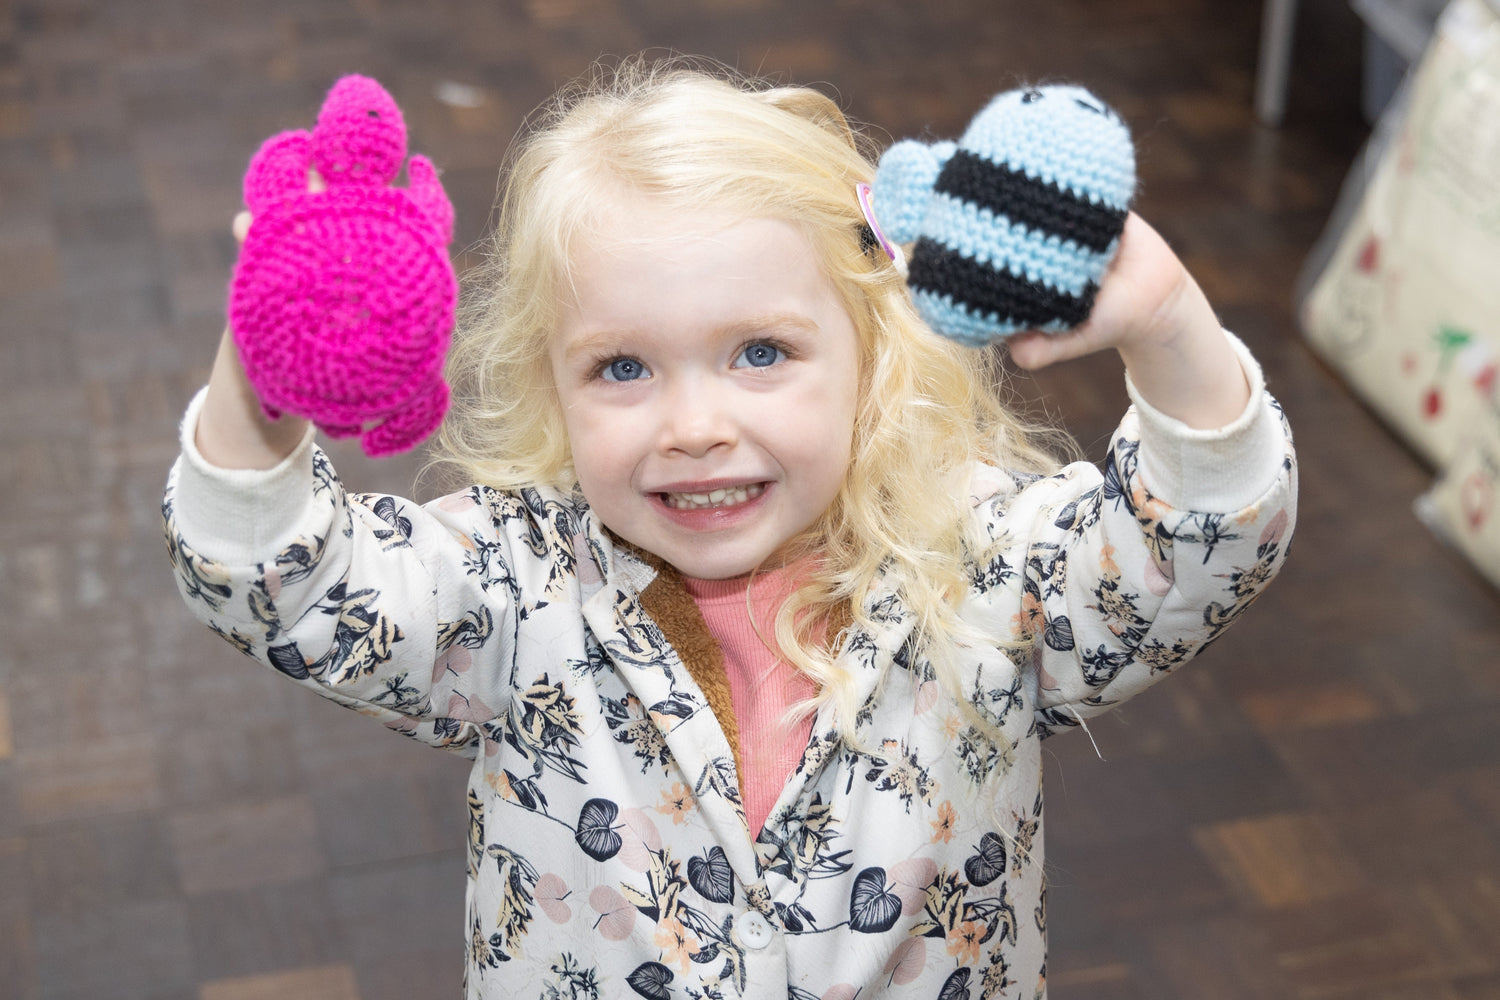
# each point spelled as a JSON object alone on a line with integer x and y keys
{"x": 608, "y": 852}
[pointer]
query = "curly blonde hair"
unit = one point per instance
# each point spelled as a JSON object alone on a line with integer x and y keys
{"x": 928, "y": 410}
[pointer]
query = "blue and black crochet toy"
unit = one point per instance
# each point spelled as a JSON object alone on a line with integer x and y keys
{"x": 1014, "y": 225}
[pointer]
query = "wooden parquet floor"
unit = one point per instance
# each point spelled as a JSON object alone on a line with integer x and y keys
{"x": 1312, "y": 811}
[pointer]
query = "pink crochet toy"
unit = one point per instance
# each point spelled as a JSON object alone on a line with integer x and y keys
{"x": 342, "y": 301}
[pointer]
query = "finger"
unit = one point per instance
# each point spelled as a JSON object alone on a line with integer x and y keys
{"x": 1034, "y": 349}
{"x": 1030, "y": 349}
{"x": 241, "y": 226}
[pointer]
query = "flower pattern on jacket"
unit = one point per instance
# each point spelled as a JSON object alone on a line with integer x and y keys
{"x": 608, "y": 854}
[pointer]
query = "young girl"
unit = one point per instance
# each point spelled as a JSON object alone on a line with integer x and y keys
{"x": 762, "y": 603}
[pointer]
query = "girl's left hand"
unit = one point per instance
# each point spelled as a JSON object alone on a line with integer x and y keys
{"x": 1153, "y": 313}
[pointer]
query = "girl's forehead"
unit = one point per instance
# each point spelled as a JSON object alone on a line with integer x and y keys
{"x": 671, "y": 271}
{"x": 632, "y": 221}
{"x": 646, "y": 238}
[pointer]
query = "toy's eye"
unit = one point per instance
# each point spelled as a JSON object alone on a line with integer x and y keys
{"x": 373, "y": 113}
{"x": 1085, "y": 105}
{"x": 1031, "y": 96}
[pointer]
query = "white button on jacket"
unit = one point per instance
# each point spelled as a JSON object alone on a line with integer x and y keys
{"x": 755, "y": 931}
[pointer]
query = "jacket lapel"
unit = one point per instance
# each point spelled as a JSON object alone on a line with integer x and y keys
{"x": 644, "y": 658}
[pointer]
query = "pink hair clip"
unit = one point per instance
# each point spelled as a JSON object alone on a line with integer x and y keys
{"x": 862, "y": 192}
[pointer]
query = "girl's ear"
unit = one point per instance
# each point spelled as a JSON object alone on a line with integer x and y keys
{"x": 903, "y": 186}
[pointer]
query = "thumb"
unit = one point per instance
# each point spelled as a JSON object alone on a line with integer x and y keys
{"x": 1034, "y": 349}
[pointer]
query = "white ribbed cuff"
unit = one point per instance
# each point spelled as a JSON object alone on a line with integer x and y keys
{"x": 1213, "y": 471}
{"x": 240, "y": 517}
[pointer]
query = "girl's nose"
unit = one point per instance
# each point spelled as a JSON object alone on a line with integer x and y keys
{"x": 698, "y": 418}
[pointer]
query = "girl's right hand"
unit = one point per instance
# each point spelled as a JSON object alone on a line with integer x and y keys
{"x": 233, "y": 431}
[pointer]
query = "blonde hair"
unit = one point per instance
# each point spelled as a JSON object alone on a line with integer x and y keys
{"x": 928, "y": 408}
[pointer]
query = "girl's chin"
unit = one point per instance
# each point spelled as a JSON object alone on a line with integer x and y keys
{"x": 709, "y": 559}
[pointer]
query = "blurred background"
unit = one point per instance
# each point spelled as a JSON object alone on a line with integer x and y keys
{"x": 1311, "y": 811}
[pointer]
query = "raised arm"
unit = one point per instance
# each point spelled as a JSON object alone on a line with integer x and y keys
{"x": 1129, "y": 575}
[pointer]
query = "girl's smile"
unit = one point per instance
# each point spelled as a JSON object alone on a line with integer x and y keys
{"x": 708, "y": 375}
{"x": 718, "y": 498}
{"x": 713, "y": 511}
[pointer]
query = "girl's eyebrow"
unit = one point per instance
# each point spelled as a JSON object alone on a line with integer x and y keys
{"x": 791, "y": 321}
{"x": 593, "y": 345}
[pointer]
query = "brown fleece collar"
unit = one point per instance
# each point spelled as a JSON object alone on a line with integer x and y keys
{"x": 667, "y": 601}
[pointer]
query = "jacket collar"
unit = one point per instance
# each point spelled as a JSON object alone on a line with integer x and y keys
{"x": 648, "y": 625}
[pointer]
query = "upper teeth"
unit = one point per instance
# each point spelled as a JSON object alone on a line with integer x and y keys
{"x": 714, "y": 498}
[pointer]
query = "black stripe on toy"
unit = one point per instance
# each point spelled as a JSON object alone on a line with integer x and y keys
{"x": 984, "y": 289}
{"x": 1037, "y": 204}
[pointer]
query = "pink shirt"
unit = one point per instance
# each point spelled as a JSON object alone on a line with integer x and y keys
{"x": 761, "y": 684}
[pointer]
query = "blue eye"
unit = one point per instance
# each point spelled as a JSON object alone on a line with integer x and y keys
{"x": 623, "y": 370}
{"x": 760, "y": 355}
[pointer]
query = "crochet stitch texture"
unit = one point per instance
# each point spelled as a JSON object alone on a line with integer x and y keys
{"x": 1015, "y": 224}
{"x": 342, "y": 301}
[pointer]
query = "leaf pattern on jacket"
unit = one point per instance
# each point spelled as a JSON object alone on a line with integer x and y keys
{"x": 518, "y": 878}
{"x": 507, "y": 626}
